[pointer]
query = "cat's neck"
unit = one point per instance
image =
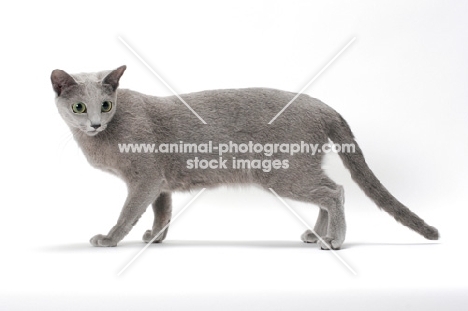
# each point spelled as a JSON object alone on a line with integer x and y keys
{"x": 86, "y": 142}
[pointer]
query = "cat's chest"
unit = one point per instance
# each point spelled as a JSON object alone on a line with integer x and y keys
{"x": 100, "y": 154}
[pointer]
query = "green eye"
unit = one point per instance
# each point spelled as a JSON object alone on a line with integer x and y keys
{"x": 106, "y": 106}
{"x": 79, "y": 107}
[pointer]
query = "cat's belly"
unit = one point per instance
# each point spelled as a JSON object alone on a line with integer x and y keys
{"x": 199, "y": 172}
{"x": 185, "y": 179}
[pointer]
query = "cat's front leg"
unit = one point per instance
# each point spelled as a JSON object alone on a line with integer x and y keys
{"x": 162, "y": 209}
{"x": 138, "y": 199}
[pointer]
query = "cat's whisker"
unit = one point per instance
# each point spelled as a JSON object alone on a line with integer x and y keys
{"x": 63, "y": 144}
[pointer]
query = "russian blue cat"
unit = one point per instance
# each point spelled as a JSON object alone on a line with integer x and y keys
{"x": 101, "y": 116}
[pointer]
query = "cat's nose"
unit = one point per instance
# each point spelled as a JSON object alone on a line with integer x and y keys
{"x": 96, "y": 126}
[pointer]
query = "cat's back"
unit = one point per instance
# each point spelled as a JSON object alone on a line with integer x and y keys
{"x": 252, "y": 105}
{"x": 225, "y": 111}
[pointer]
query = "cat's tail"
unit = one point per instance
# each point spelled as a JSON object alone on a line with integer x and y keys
{"x": 340, "y": 133}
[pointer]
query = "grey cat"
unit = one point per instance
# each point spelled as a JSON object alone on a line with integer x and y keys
{"x": 101, "y": 116}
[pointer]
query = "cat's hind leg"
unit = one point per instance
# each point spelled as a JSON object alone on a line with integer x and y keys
{"x": 320, "y": 228}
{"x": 322, "y": 191}
{"x": 331, "y": 199}
{"x": 162, "y": 209}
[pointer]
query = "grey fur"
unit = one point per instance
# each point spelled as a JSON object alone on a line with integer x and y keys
{"x": 238, "y": 115}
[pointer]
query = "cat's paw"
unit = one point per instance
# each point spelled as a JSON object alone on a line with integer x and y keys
{"x": 309, "y": 237}
{"x": 327, "y": 242}
{"x": 102, "y": 241}
{"x": 148, "y": 236}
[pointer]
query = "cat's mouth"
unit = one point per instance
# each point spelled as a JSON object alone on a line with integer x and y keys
{"x": 92, "y": 131}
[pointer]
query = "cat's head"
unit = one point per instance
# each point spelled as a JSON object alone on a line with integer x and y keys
{"x": 87, "y": 101}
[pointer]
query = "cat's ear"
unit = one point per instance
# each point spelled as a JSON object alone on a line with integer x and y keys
{"x": 114, "y": 76}
{"x": 61, "y": 80}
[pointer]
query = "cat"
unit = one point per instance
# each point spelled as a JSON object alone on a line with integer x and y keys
{"x": 101, "y": 116}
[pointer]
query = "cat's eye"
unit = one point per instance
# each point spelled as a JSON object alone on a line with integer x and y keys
{"x": 106, "y": 106}
{"x": 79, "y": 107}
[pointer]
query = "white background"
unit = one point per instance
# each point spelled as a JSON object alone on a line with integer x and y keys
{"x": 401, "y": 86}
